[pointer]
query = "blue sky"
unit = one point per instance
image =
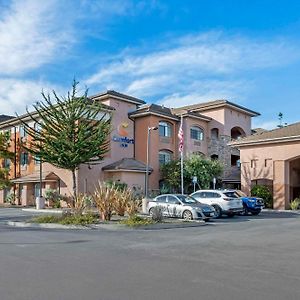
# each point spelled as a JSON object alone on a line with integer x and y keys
{"x": 170, "y": 52}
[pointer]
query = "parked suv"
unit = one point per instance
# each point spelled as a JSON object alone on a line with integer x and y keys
{"x": 181, "y": 206}
{"x": 225, "y": 202}
{"x": 253, "y": 205}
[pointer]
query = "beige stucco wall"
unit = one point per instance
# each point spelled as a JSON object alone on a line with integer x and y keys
{"x": 234, "y": 118}
{"x": 272, "y": 162}
{"x": 90, "y": 175}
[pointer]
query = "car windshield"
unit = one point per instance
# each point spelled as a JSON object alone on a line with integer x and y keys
{"x": 231, "y": 194}
{"x": 241, "y": 194}
{"x": 187, "y": 199}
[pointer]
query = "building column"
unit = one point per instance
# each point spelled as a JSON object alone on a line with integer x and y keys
{"x": 281, "y": 184}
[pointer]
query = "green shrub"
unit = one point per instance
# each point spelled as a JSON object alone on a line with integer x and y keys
{"x": 295, "y": 204}
{"x": 116, "y": 184}
{"x": 66, "y": 219}
{"x": 135, "y": 220}
{"x": 79, "y": 220}
{"x": 46, "y": 219}
{"x": 53, "y": 196}
{"x": 263, "y": 192}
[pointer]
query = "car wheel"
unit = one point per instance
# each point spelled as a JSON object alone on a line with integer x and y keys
{"x": 218, "y": 210}
{"x": 255, "y": 213}
{"x": 151, "y": 211}
{"x": 187, "y": 215}
{"x": 245, "y": 211}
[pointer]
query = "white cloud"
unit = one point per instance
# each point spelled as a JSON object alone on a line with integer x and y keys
{"x": 16, "y": 95}
{"x": 31, "y": 36}
{"x": 192, "y": 65}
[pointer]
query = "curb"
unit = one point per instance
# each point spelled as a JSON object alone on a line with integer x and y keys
{"x": 296, "y": 212}
{"x": 44, "y": 225}
{"x": 47, "y": 211}
{"x": 105, "y": 226}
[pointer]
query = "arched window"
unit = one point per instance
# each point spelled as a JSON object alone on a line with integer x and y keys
{"x": 214, "y": 133}
{"x": 197, "y": 133}
{"x": 237, "y": 133}
{"x": 165, "y": 156}
{"x": 214, "y": 157}
{"x": 165, "y": 129}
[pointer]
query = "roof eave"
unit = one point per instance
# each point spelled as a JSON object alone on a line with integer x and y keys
{"x": 266, "y": 141}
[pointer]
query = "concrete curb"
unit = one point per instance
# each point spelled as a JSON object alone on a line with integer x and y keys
{"x": 105, "y": 226}
{"x": 46, "y": 211}
{"x": 44, "y": 225}
{"x": 296, "y": 212}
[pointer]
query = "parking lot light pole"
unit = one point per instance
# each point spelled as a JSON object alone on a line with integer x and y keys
{"x": 147, "y": 169}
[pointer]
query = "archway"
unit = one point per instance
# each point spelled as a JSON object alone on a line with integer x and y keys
{"x": 237, "y": 133}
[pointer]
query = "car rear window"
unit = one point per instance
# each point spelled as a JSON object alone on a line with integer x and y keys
{"x": 231, "y": 194}
{"x": 161, "y": 199}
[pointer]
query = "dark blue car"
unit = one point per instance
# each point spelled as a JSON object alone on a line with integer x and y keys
{"x": 251, "y": 205}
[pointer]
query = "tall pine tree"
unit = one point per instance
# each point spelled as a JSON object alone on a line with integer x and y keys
{"x": 69, "y": 131}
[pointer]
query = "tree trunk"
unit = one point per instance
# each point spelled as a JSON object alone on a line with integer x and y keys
{"x": 74, "y": 186}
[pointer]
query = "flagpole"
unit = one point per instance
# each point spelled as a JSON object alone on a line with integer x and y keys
{"x": 181, "y": 163}
{"x": 181, "y": 156}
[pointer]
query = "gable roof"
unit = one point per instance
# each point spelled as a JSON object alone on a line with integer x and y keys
{"x": 117, "y": 95}
{"x": 4, "y": 118}
{"x": 191, "y": 114}
{"x": 287, "y": 133}
{"x": 153, "y": 109}
{"x": 216, "y": 104}
{"x": 127, "y": 164}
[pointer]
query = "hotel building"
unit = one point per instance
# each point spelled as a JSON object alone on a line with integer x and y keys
{"x": 208, "y": 128}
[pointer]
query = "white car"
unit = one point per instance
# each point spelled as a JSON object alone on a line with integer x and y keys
{"x": 225, "y": 202}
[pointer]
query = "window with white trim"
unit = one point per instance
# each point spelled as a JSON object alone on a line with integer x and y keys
{"x": 197, "y": 133}
{"x": 165, "y": 129}
{"x": 164, "y": 157}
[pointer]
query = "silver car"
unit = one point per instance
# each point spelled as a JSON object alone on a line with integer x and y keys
{"x": 182, "y": 206}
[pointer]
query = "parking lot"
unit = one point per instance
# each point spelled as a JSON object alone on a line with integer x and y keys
{"x": 230, "y": 258}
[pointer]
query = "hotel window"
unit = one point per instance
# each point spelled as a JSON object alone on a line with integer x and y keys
{"x": 24, "y": 159}
{"x": 6, "y": 163}
{"x": 165, "y": 129}
{"x": 197, "y": 133}
{"x": 214, "y": 133}
{"x": 165, "y": 157}
{"x": 23, "y": 132}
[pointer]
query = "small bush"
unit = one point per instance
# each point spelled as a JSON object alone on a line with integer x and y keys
{"x": 81, "y": 204}
{"x": 53, "y": 196}
{"x": 79, "y": 220}
{"x": 104, "y": 198}
{"x": 295, "y": 204}
{"x": 263, "y": 192}
{"x": 133, "y": 206}
{"x": 66, "y": 219}
{"x": 135, "y": 220}
{"x": 46, "y": 219}
{"x": 157, "y": 214}
{"x": 116, "y": 184}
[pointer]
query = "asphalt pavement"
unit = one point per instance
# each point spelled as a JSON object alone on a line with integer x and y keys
{"x": 240, "y": 258}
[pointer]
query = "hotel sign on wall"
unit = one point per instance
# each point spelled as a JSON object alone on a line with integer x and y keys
{"x": 122, "y": 136}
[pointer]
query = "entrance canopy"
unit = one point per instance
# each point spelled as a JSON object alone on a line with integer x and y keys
{"x": 35, "y": 177}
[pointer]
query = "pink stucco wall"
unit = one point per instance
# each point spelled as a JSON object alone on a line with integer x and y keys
{"x": 89, "y": 176}
{"x": 191, "y": 145}
{"x": 272, "y": 162}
